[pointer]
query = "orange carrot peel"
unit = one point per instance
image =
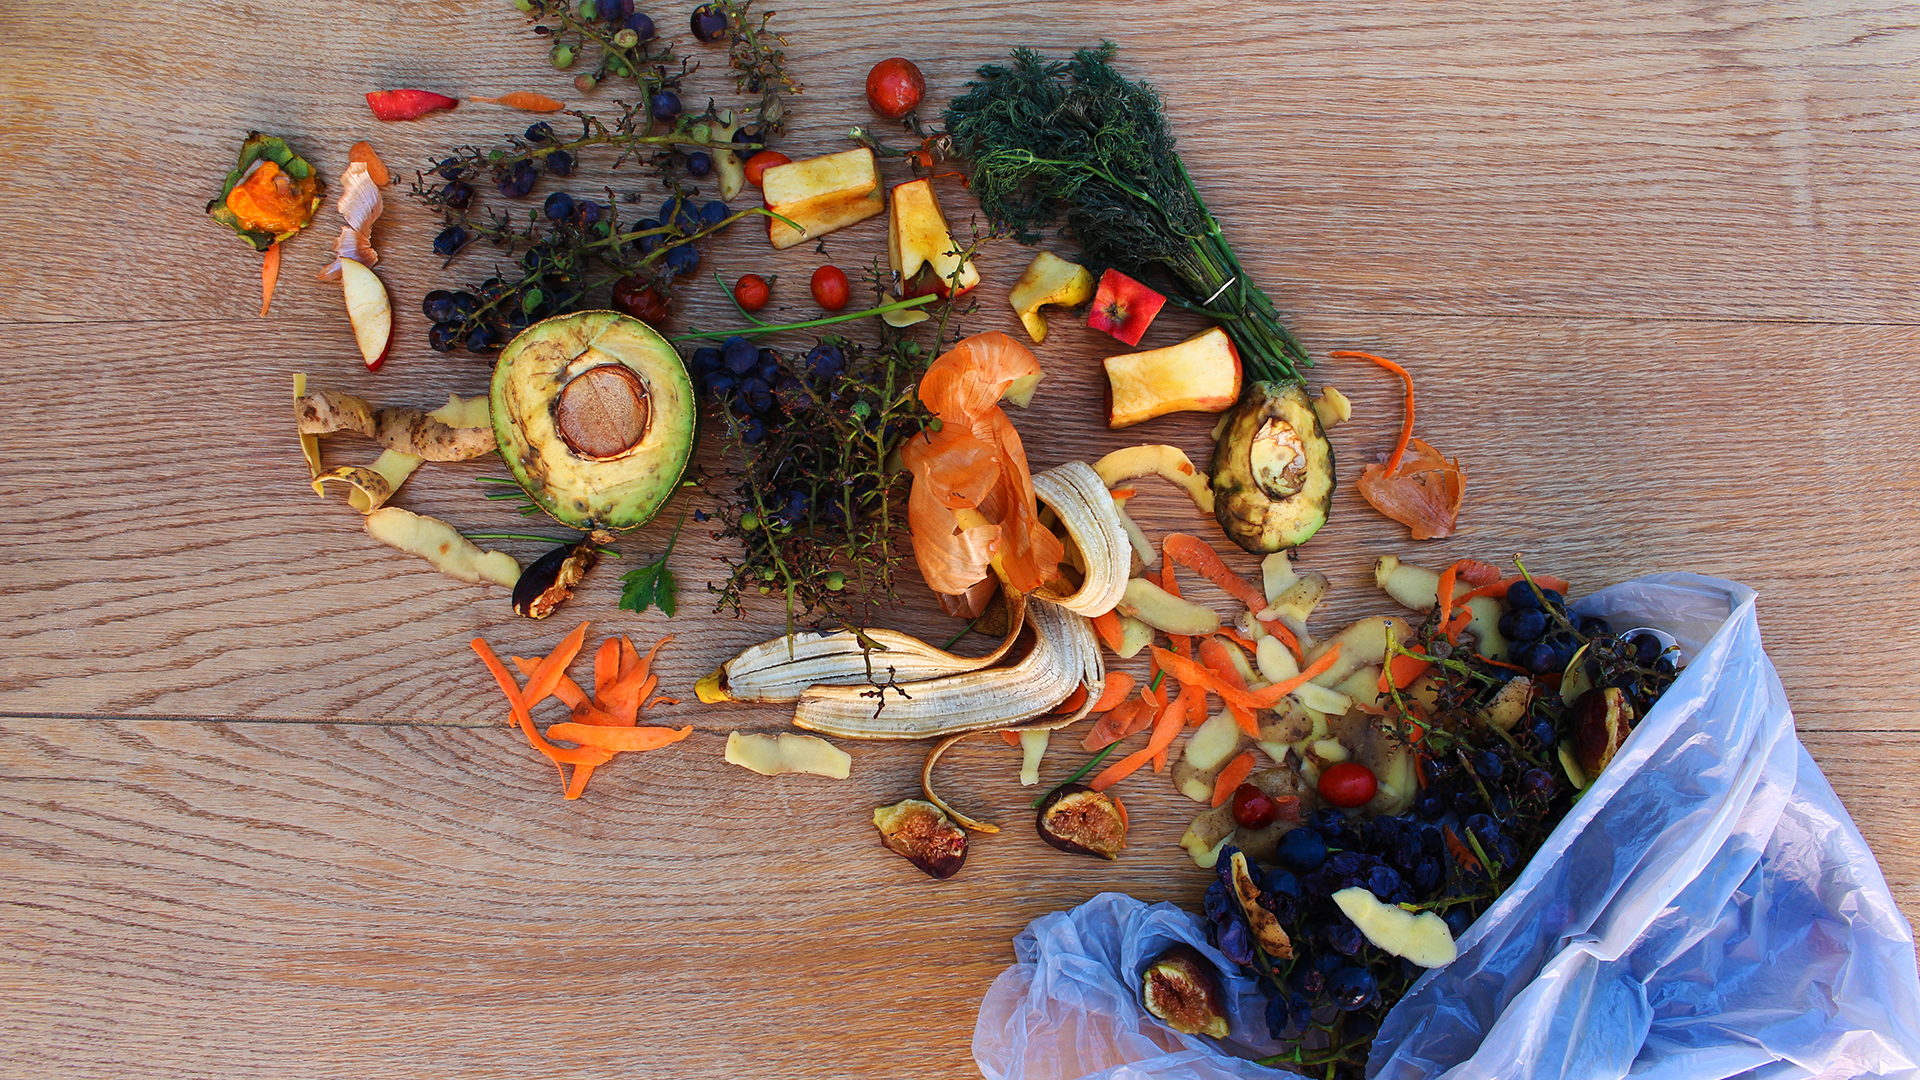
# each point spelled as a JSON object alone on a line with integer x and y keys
{"x": 1265, "y": 698}
{"x": 269, "y": 275}
{"x": 1214, "y": 655}
{"x": 1422, "y": 492}
{"x": 1165, "y": 726}
{"x": 1200, "y": 557}
{"x": 1231, "y": 777}
{"x": 524, "y": 100}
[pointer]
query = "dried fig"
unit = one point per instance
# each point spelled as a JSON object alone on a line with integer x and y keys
{"x": 1081, "y": 821}
{"x": 1181, "y": 988}
{"x": 919, "y": 832}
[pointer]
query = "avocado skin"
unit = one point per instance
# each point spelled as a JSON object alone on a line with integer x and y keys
{"x": 1253, "y": 517}
{"x": 594, "y": 496}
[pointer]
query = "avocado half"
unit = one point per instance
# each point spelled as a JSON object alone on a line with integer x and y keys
{"x": 595, "y": 415}
{"x": 1272, "y": 470}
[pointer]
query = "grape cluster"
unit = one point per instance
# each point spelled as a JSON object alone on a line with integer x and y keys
{"x": 816, "y": 505}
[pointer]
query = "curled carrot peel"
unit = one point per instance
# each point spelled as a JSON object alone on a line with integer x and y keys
{"x": 269, "y": 275}
{"x": 1214, "y": 655}
{"x": 603, "y": 725}
{"x": 1119, "y": 687}
{"x": 1121, "y": 809}
{"x": 1499, "y": 588}
{"x": 1011, "y": 738}
{"x": 1401, "y": 671}
{"x": 1443, "y": 595}
{"x": 363, "y": 153}
{"x": 1232, "y": 776}
{"x": 1200, "y": 557}
{"x": 1182, "y": 644}
{"x": 1106, "y": 627}
{"x": 1165, "y": 727}
{"x": 1123, "y": 720}
{"x": 1422, "y": 491}
{"x": 1264, "y": 698}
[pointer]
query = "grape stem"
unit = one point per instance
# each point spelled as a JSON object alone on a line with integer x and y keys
{"x": 770, "y": 328}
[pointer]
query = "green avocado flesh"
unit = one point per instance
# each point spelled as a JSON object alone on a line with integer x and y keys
{"x": 595, "y": 415}
{"x": 1272, "y": 470}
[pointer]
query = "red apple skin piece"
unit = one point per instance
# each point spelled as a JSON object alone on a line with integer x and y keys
{"x": 1201, "y": 374}
{"x": 1123, "y": 307}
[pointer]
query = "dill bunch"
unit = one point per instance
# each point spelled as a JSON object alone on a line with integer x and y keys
{"x": 1074, "y": 140}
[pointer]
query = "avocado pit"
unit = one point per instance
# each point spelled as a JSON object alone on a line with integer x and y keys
{"x": 602, "y": 412}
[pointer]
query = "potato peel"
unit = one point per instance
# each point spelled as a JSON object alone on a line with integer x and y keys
{"x": 442, "y": 545}
{"x": 410, "y": 431}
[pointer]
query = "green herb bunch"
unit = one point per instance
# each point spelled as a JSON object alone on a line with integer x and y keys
{"x": 1074, "y": 140}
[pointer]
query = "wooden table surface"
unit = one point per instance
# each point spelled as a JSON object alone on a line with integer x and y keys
{"x": 1653, "y": 264}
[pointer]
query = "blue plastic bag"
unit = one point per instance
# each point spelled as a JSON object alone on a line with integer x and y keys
{"x": 1707, "y": 910}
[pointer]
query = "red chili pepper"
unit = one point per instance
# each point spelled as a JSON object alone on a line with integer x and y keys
{"x": 407, "y": 104}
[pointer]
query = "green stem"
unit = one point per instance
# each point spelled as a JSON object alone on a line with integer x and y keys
{"x": 542, "y": 539}
{"x": 769, "y": 328}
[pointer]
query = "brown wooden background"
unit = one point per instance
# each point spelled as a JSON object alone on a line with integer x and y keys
{"x": 1653, "y": 264}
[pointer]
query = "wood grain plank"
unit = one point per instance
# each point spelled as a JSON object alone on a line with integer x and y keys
{"x": 226, "y": 900}
{"x": 169, "y": 560}
{"x": 1649, "y": 159}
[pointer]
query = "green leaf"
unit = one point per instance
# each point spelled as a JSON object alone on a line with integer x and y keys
{"x": 652, "y": 585}
{"x": 531, "y": 299}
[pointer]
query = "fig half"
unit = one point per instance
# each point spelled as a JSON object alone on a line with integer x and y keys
{"x": 1181, "y": 988}
{"x": 1081, "y": 821}
{"x": 1601, "y": 720}
{"x": 917, "y": 831}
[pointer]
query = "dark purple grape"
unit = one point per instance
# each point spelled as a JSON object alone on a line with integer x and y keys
{"x": 443, "y": 337}
{"x": 1536, "y": 657}
{"x": 465, "y": 304}
{"x": 665, "y": 105}
{"x": 707, "y": 23}
{"x": 1465, "y": 801}
{"x": 1542, "y": 732}
{"x": 1429, "y": 804}
{"x": 1277, "y": 1016}
{"x": 683, "y": 259}
{"x": 1646, "y": 649}
{"x": 588, "y": 212}
{"x": 1427, "y": 875}
{"x": 1550, "y": 600}
{"x": 451, "y": 169}
{"x": 1537, "y": 784}
{"x": 559, "y": 163}
{"x": 826, "y": 361}
{"x": 1521, "y": 597}
{"x": 1236, "y": 945}
{"x": 719, "y": 384}
{"x": 1329, "y": 823}
{"x": 1384, "y": 883}
{"x": 1312, "y": 980}
{"x": 641, "y": 26}
{"x": 704, "y": 362}
{"x": 757, "y": 394}
{"x": 748, "y": 136}
{"x": 1344, "y": 937}
{"x": 1346, "y": 863}
{"x": 481, "y": 339}
{"x": 540, "y": 132}
{"x": 699, "y": 163}
{"x": 457, "y": 194}
{"x": 1593, "y": 626}
{"x": 559, "y": 206}
{"x": 1278, "y": 882}
{"x": 450, "y": 240}
{"x": 536, "y": 259}
{"x": 1488, "y": 765}
{"x": 766, "y": 364}
{"x": 1214, "y": 902}
{"x": 752, "y": 430}
{"x": 437, "y": 306}
{"x": 740, "y": 355}
{"x": 714, "y": 213}
{"x": 1505, "y": 852}
{"x": 1352, "y": 988}
{"x": 1302, "y": 850}
{"x": 616, "y": 11}
{"x": 792, "y": 509}
{"x": 1524, "y": 625}
{"x": 647, "y": 243}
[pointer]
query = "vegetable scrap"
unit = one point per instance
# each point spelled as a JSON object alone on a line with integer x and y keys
{"x": 602, "y": 725}
{"x": 360, "y": 204}
{"x": 1422, "y": 491}
{"x": 407, "y": 103}
{"x": 523, "y": 100}
{"x": 271, "y": 194}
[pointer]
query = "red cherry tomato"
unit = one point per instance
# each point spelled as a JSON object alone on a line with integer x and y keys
{"x": 1348, "y": 784}
{"x": 633, "y": 296}
{"x": 758, "y": 164}
{"x": 751, "y": 292}
{"x": 1253, "y": 808}
{"x": 830, "y": 288}
{"x": 895, "y": 87}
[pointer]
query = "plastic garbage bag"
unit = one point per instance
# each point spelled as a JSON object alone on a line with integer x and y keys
{"x": 1706, "y": 910}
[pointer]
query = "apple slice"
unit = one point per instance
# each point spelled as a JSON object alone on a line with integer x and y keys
{"x": 369, "y": 310}
{"x": 1123, "y": 307}
{"x": 821, "y": 194}
{"x": 1049, "y": 279}
{"x": 918, "y": 239}
{"x": 1201, "y": 374}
